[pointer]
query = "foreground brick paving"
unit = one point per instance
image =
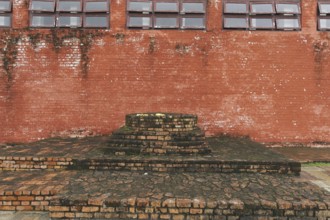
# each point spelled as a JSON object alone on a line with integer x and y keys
{"x": 96, "y": 194}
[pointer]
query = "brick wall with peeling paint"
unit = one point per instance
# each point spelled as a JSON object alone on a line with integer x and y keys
{"x": 272, "y": 86}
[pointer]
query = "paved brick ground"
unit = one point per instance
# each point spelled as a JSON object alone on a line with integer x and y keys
{"x": 242, "y": 189}
{"x": 318, "y": 175}
{"x": 304, "y": 154}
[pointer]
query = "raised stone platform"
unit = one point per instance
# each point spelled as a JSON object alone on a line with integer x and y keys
{"x": 159, "y": 133}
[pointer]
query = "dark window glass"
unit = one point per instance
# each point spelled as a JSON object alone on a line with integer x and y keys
{"x": 68, "y": 21}
{"x": 287, "y": 23}
{"x": 43, "y": 20}
{"x": 94, "y": 6}
{"x": 42, "y": 6}
{"x": 261, "y": 23}
{"x": 5, "y": 6}
{"x": 139, "y": 6}
{"x": 68, "y": 6}
{"x": 5, "y": 20}
{"x": 193, "y": 22}
{"x": 262, "y": 8}
{"x": 139, "y": 21}
{"x": 193, "y": 7}
{"x": 101, "y": 21}
{"x": 237, "y": 8}
{"x": 166, "y": 7}
{"x": 235, "y": 22}
{"x": 166, "y": 22}
{"x": 324, "y": 8}
{"x": 286, "y": 8}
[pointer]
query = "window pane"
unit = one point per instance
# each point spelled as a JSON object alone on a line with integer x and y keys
{"x": 5, "y": 21}
{"x": 139, "y": 22}
{"x": 287, "y": 8}
{"x": 42, "y": 6}
{"x": 5, "y": 6}
{"x": 97, "y": 6}
{"x": 139, "y": 6}
{"x": 324, "y": 23}
{"x": 69, "y": 21}
{"x": 287, "y": 23}
{"x": 193, "y": 23}
{"x": 235, "y": 22}
{"x": 262, "y": 22}
{"x": 69, "y": 6}
{"x": 166, "y": 6}
{"x": 262, "y": 8}
{"x": 196, "y": 7}
{"x": 166, "y": 22}
{"x": 324, "y": 8}
{"x": 42, "y": 21}
{"x": 96, "y": 21}
{"x": 239, "y": 8}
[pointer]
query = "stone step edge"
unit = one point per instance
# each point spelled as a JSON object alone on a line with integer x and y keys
{"x": 182, "y": 208}
{"x": 157, "y": 165}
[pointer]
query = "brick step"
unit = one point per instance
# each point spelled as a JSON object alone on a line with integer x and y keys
{"x": 151, "y": 143}
{"x": 188, "y": 196}
{"x": 161, "y": 120}
{"x": 161, "y": 163}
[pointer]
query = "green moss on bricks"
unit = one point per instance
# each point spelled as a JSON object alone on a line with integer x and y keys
{"x": 9, "y": 54}
{"x": 55, "y": 37}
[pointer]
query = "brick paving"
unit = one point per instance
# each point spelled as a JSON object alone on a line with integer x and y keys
{"x": 159, "y": 195}
{"x": 305, "y": 154}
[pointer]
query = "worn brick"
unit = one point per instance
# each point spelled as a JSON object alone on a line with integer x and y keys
{"x": 90, "y": 209}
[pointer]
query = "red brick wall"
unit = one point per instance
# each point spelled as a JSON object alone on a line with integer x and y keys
{"x": 273, "y": 86}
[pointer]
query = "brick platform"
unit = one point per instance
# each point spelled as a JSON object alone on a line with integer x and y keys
{"x": 159, "y": 133}
{"x": 139, "y": 195}
{"x": 228, "y": 155}
{"x": 34, "y": 178}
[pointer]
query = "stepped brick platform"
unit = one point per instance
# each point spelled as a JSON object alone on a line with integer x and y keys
{"x": 154, "y": 195}
{"x": 228, "y": 155}
{"x": 159, "y": 133}
{"x": 70, "y": 179}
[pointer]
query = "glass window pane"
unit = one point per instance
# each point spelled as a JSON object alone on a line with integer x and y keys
{"x": 235, "y": 22}
{"x": 287, "y": 23}
{"x": 166, "y": 22}
{"x": 239, "y": 8}
{"x": 196, "y": 7}
{"x": 262, "y": 8}
{"x": 5, "y": 6}
{"x": 324, "y": 8}
{"x": 69, "y": 21}
{"x": 42, "y": 21}
{"x": 97, "y": 6}
{"x": 166, "y": 6}
{"x": 5, "y": 21}
{"x": 193, "y": 23}
{"x": 96, "y": 21}
{"x": 42, "y": 5}
{"x": 287, "y": 8}
{"x": 139, "y": 22}
{"x": 324, "y": 23}
{"x": 139, "y": 6}
{"x": 261, "y": 22}
{"x": 69, "y": 6}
